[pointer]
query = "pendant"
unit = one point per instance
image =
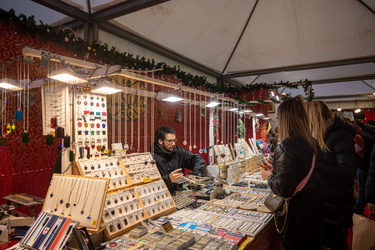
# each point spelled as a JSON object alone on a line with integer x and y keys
{"x": 82, "y": 212}
{"x": 67, "y": 205}
{"x": 185, "y": 142}
{"x": 18, "y": 115}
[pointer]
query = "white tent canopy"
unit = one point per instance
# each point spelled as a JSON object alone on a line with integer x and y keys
{"x": 331, "y": 43}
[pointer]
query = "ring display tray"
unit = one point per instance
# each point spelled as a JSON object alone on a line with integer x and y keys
{"x": 78, "y": 198}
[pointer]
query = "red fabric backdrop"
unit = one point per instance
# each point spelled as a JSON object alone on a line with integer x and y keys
{"x": 26, "y": 168}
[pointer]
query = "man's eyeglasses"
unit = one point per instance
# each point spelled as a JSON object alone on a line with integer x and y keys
{"x": 171, "y": 140}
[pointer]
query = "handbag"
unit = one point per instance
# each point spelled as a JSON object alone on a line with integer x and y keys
{"x": 363, "y": 233}
{"x": 276, "y": 204}
{"x": 279, "y": 205}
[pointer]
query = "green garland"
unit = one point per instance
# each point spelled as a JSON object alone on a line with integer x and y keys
{"x": 27, "y": 25}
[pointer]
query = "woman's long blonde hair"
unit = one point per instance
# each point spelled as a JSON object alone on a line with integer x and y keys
{"x": 293, "y": 120}
{"x": 321, "y": 118}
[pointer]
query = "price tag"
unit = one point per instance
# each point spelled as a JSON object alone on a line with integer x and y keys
{"x": 147, "y": 180}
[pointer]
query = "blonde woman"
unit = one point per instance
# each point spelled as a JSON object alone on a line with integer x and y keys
{"x": 335, "y": 138}
{"x": 301, "y": 228}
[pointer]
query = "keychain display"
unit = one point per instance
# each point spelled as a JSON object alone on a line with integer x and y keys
{"x": 90, "y": 125}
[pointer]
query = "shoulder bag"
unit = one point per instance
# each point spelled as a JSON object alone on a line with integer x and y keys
{"x": 279, "y": 205}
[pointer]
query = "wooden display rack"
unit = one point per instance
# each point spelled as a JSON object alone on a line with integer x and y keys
{"x": 140, "y": 167}
{"x": 142, "y": 198}
{"x": 110, "y": 168}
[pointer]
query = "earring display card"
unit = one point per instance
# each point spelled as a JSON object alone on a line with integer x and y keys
{"x": 122, "y": 210}
{"x": 91, "y": 125}
{"x": 49, "y": 232}
{"x": 141, "y": 167}
{"x": 78, "y": 198}
{"x": 127, "y": 208}
{"x": 108, "y": 167}
{"x": 156, "y": 198}
{"x": 222, "y": 154}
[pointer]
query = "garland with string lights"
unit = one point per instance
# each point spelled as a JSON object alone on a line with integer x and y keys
{"x": 27, "y": 25}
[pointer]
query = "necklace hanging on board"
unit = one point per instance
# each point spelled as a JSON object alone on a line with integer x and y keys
{"x": 19, "y": 114}
{"x": 200, "y": 124}
{"x": 195, "y": 122}
{"x": 190, "y": 119}
{"x": 185, "y": 121}
{"x": 139, "y": 119}
{"x": 26, "y": 104}
{"x": 131, "y": 123}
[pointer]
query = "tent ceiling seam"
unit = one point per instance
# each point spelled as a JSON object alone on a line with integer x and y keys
{"x": 240, "y": 37}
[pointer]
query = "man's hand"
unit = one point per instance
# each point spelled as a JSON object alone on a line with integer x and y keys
{"x": 176, "y": 175}
{"x": 265, "y": 174}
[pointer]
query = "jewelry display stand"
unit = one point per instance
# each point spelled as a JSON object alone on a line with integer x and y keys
{"x": 222, "y": 154}
{"x": 141, "y": 167}
{"x": 90, "y": 125}
{"x": 109, "y": 167}
{"x": 78, "y": 198}
{"x": 156, "y": 198}
{"x": 123, "y": 210}
{"x": 136, "y": 191}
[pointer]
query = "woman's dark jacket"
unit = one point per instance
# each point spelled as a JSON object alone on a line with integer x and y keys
{"x": 339, "y": 173}
{"x": 370, "y": 184}
{"x": 291, "y": 164}
{"x": 168, "y": 161}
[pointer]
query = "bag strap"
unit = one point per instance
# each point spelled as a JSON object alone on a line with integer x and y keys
{"x": 302, "y": 184}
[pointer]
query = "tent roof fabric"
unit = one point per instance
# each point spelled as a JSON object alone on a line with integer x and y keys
{"x": 331, "y": 43}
